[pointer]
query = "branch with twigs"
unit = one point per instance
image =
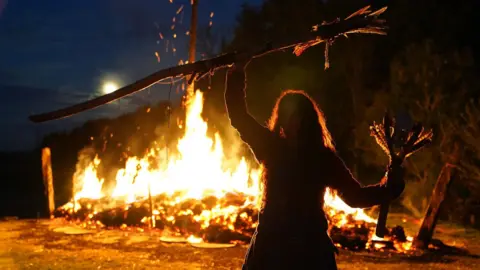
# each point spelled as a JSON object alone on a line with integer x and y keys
{"x": 364, "y": 21}
{"x": 411, "y": 141}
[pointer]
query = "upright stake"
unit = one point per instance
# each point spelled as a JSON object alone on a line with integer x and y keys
{"x": 152, "y": 217}
{"x": 193, "y": 43}
{"x": 425, "y": 234}
{"x": 48, "y": 179}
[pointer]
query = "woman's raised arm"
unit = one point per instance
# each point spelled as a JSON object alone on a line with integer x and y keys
{"x": 254, "y": 134}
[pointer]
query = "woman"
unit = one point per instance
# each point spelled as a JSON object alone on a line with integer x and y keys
{"x": 300, "y": 162}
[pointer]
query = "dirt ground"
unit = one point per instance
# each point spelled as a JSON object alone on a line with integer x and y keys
{"x": 45, "y": 244}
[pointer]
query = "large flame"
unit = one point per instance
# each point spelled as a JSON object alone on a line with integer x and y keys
{"x": 197, "y": 169}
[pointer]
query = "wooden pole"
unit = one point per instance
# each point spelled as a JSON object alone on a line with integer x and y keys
{"x": 192, "y": 47}
{"x": 48, "y": 179}
{"x": 425, "y": 234}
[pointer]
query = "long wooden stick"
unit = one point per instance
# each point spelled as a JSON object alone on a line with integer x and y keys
{"x": 363, "y": 21}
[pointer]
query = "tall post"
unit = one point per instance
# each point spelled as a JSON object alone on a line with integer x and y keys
{"x": 193, "y": 43}
{"x": 48, "y": 179}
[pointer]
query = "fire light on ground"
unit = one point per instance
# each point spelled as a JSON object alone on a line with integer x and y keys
{"x": 195, "y": 191}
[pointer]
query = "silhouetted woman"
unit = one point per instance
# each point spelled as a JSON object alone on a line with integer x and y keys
{"x": 300, "y": 162}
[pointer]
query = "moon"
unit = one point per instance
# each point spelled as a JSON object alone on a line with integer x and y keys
{"x": 109, "y": 87}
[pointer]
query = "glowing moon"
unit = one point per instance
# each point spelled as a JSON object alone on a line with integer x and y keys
{"x": 109, "y": 87}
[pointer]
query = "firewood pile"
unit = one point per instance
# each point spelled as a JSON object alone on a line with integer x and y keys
{"x": 189, "y": 218}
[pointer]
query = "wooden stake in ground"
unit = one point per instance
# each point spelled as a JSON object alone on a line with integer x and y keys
{"x": 150, "y": 204}
{"x": 425, "y": 234}
{"x": 363, "y": 21}
{"x": 48, "y": 179}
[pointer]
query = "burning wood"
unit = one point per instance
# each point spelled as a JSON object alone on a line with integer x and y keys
{"x": 198, "y": 194}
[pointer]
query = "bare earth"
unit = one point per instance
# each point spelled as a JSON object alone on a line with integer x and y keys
{"x": 45, "y": 244}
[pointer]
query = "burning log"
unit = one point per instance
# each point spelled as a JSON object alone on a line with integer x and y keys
{"x": 184, "y": 220}
{"x": 363, "y": 21}
{"x": 408, "y": 142}
{"x": 424, "y": 236}
{"x": 48, "y": 180}
{"x": 181, "y": 219}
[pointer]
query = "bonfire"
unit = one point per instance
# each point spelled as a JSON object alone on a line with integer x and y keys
{"x": 200, "y": 194}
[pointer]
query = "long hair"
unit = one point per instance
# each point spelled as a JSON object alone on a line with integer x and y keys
{"x": 309, "y": 109}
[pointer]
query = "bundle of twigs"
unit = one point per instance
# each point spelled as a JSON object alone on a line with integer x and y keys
{"x": 398, "y": 145}
{"x": 364, "y": 21}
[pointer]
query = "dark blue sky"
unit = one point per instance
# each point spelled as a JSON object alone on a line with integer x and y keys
{"x": 56, "y": 53}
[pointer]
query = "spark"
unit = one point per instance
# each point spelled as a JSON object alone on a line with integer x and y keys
{"x": 211, "y": 22}
{"x": 180, "y": 9}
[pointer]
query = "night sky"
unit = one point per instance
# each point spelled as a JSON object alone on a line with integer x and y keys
{"x": 57, "y": 53}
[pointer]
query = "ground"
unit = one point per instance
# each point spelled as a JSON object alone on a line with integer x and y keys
{"x": 51, "y": 244}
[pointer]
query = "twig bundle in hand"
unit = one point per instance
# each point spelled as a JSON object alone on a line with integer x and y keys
{"x": 411, "y": 141}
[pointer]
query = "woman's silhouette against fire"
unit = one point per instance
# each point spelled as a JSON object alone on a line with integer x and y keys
{"x": 300, "y": 161}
